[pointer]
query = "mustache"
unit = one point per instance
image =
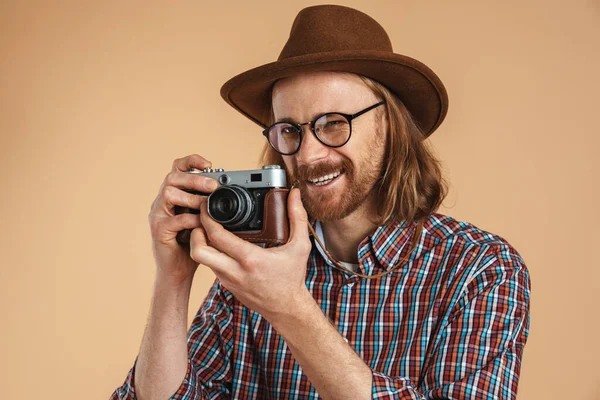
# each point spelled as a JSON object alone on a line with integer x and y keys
{"x": 306, "y": 172}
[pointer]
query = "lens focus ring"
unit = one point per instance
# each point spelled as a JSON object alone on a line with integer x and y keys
{"x": 232, "y": 206}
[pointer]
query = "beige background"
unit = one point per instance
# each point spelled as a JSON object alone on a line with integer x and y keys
{"x": 97, "y": 99}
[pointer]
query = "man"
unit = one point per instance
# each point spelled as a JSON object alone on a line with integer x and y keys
{"x": 419, "y": 305}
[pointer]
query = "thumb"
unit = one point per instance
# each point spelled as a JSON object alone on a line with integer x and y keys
{"x": 297, "y": 216}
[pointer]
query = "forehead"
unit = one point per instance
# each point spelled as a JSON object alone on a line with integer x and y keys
{"x": 307, "y": 95}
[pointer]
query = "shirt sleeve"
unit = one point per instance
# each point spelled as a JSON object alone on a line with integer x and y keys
{"x": 476, "y": 349}
{"x": 208, "y": 374}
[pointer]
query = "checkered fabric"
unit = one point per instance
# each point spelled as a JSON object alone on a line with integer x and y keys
{"x": 449, "y": 324}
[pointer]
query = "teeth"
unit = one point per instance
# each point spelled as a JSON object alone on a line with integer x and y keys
{"x": 325, "y": 179}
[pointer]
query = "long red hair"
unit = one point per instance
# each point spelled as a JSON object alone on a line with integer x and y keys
{"x": 411, "y": 186}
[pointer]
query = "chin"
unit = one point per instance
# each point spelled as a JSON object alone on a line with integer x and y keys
{"x": 330, "y": 210}
{"x": 344, "y": 197}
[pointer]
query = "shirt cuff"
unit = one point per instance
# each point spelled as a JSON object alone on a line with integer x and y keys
{"x": 385, "y": 387}
{"x": 187, "y": 390}
{"x": 126, "y": 391}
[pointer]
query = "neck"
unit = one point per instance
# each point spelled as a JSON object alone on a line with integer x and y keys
{"x": 342, "y": 236}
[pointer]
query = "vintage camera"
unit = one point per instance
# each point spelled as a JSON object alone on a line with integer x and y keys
{"x": 252, "y": 204}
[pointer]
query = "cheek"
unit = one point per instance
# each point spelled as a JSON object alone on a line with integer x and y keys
{"x": 372, "y": 152}
{"x": 357, "y": 150}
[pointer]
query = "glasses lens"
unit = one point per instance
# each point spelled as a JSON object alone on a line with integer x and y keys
{"x": 284, "y": 137}
{"x": 333, "y": 129}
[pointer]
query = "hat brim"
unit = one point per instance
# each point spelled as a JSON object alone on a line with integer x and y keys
{"x": 417, "y": 86}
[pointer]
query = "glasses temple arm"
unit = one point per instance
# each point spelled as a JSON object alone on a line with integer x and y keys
{"x": 358, "y": 114}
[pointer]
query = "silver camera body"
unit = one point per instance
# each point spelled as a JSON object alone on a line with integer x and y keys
{"x": 269, "y": 176}
{"x": 239, "y": 200}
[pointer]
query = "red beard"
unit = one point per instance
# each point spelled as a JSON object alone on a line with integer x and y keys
{"x": 325, "y": 205}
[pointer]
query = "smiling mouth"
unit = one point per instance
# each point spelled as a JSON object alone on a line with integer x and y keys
{"x": 325, "y": 179}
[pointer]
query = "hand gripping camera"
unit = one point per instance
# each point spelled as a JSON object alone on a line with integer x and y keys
{"x": 251, "y": 204}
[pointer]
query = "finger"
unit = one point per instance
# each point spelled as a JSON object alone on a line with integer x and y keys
{"x": 180, "y": 222}
{"x": 224, "y": 240}
{"x": 173, "y": 196}
{"x": 198, "y": 237}
{"x": 219, "y": 262}
{"x": 192, "y": 161}
{"x": 298, "y": 218}
{"x": 167, "y": 229}
{"x": 192, "y": 181}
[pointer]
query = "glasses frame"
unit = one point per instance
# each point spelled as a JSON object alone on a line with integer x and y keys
{"x": 348, "y": 117}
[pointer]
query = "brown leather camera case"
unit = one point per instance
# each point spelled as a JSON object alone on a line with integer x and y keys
{"x": 276, "y": 226}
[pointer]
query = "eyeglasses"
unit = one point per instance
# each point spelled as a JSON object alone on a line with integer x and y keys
{"x": 332, "y": 129}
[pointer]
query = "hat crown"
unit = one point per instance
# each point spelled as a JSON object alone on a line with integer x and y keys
{"x": 331, "y": 28}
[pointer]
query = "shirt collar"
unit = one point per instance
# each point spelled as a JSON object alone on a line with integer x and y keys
{"x": 387, "y": 245}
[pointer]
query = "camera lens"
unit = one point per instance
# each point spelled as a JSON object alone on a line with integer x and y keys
{"x": 231, "y": 206}
{"x": 225, "y": 205}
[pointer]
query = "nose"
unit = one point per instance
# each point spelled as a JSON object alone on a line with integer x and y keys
{"x": 311, "y": 148}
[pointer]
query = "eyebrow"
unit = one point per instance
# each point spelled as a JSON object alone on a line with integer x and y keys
{"x": 286, "y": 119}
{"x": 293, "y": 121}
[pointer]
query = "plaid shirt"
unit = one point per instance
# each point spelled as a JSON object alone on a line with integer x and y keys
{"x": 450, "y": 324}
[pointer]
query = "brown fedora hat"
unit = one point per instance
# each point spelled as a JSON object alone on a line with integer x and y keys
{"x": 337, "y": 38}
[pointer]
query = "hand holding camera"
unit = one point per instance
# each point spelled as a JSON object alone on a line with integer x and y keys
{"x": 252, "y": 204}
{"x": 173, "y": 261}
